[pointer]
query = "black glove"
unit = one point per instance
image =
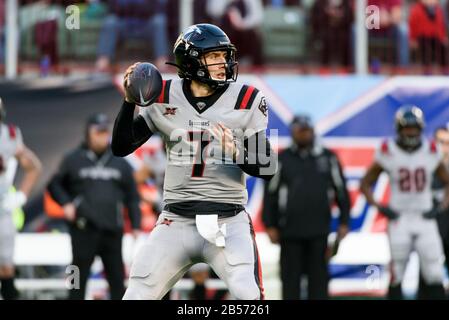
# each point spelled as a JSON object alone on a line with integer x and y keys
{"x": 388, "y": 212}
{"x": 433, "y": 213}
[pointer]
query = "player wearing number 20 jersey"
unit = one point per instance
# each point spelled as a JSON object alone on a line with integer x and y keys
{"x": 410, "y": 162}
{"x": 410, "y": 175}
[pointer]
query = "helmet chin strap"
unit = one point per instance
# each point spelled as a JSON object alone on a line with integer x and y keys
{"x": 172, "y": 64}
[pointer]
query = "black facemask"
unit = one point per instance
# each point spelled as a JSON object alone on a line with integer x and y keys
{"x": 409, "y": 143}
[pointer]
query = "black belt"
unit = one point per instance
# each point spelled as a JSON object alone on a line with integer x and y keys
{"x": 193, "y": 208}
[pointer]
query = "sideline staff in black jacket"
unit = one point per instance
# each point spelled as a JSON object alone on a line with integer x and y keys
{"x": 93, "y": 186}
{"x": 297, "y": 210}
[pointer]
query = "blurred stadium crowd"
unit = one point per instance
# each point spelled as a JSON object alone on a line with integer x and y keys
{"x": 308, "y": 35}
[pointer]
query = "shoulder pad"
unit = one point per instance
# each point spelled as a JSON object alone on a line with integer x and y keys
{"x": 12, "y": 131}
{"x": 165, "y": 92}
{"x": 246, "y": 97}
{"x": 384, "y": 148}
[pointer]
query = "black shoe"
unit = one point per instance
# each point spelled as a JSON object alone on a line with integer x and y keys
{"x": 434, "y": 292}
{"x": 395, "y": 292}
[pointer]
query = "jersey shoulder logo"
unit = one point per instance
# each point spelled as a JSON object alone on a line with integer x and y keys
{"x": 167, "y": 222}
{"x": 170, "y": 111}
{"x": 263, "y": 106}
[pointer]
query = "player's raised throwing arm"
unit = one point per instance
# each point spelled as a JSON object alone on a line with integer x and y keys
{"x": 129, "y": 133}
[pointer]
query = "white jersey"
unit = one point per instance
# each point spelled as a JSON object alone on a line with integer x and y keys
{"x": 10, "y": 142}
{"x": 410, "y": 173}
{"x": 183, "y": 122}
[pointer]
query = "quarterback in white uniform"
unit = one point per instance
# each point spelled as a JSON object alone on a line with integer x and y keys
{"x": 12, "y": 146}
{"x": 410, "y": 161}
{"x": 201, "y": 117}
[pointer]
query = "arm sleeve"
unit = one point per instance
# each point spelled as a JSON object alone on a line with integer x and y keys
{"x": 132, "y": 198}
{"x": 256, "y": 157}
{"x": 56, "y": 187}
{"x": 129, "y": 133}
{"x": 270, "y": 212}
{"x": 341, "y": 192}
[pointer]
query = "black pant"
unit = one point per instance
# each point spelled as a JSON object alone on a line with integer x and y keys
{"x": 304, "y": 257}
{"x": 90, "y": 242}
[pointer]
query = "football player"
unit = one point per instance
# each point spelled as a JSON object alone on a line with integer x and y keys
{"x": 214, "y": 131}
{"x": 410, "y": 161}
{"x": 11, "y": 145}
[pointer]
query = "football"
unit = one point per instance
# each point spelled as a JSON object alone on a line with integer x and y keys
{"x": 144, "y": 84}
